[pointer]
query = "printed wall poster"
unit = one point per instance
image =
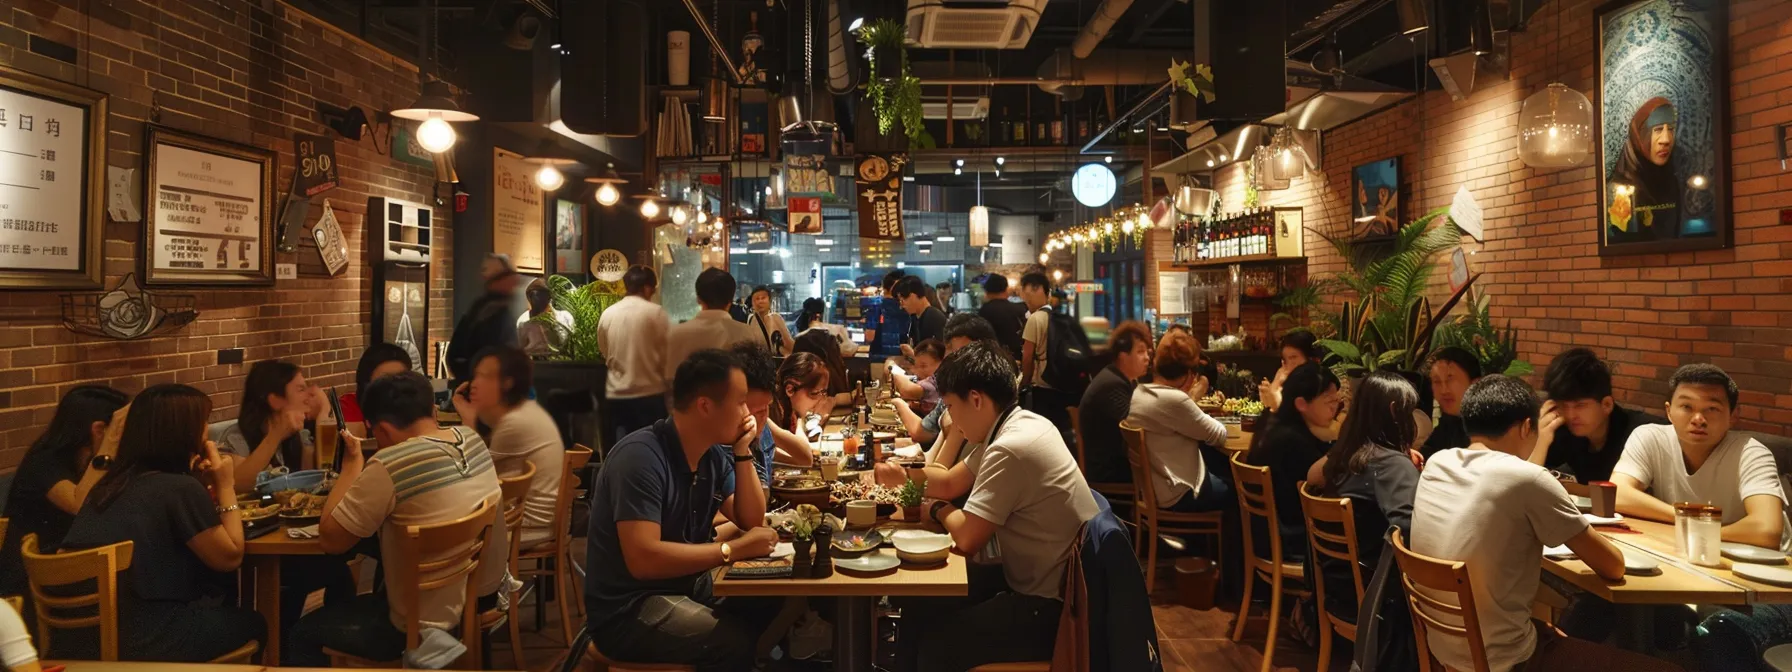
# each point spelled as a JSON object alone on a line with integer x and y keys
{"x": 332, "y": 248}
{"x": 210, "y": 216}
{"x": 569, "y": 237}
{"x": 805, "y": 214}
{"x": 518, "y": 212}
{"x": 52, "y": 180}
{"x": 879, "y": 179}
{"x": 1375, "y": 198}
{"x": 1662, "y": 117}
{"x": 807, "y": 175}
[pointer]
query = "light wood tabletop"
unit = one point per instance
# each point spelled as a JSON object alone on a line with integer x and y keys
{"x": 1658, "y": 540}
{"x": 1674, "y": 585}
{"x": 280, "y": 543}
{"x": 121, "y": 666}
{"x": 943, "y": 580}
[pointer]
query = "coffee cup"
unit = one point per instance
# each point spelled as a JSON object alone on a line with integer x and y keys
{"x": 861, "y": 513}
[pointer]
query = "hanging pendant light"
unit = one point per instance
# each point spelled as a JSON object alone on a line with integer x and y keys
{"x": 1288, "y": 159}
{"x": 435, "y": 108}
{"x": 1263, "y": 162}
{"x": 1192, "y": 199}
{"x": 607, "y": 193}
{"x": 1555, "y": 128}
{"x": 980, "y": 216}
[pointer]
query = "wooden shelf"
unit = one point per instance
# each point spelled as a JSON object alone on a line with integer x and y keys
{"x": 1247, "y": 260}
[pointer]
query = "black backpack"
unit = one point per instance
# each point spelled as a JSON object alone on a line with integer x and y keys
{"x": 1069, "y": 360}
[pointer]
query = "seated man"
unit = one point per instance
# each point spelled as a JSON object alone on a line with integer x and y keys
{"x": 651, "y": 542}
{"x": 423, "y": 474}
{"x": 1108, "y": 401}
{"x": 1486, "y": 506}
{"x": 1592, "y": 428}
{"x": 1029, "y": 496}
{"x": 1698, "y": 459}
{"x": 1452, "y": 371}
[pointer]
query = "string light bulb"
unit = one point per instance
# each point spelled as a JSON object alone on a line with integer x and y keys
{"x": 607, "y": 194}
{"x": 435, "y": 135}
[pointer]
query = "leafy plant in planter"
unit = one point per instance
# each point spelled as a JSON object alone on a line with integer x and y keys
{"x": 895, "y": 91}
{"x": 586, "y": 305}
{"x": 910, "y": 497}
{"x": 1390, "y": 325}
{"x": 1475, "y": 332}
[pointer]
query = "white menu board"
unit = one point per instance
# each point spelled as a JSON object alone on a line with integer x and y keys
{"x": 1172, "y": 293}
{"x": 42, "y": 195}
{"x": 207, "y": 216}
{"x": 518, "y": 216}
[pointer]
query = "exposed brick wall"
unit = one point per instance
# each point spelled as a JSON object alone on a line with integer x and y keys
{"x": 228, "y": 69}
{"x": 1645, "y": 313}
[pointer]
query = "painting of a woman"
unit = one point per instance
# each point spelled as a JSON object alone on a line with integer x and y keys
{"x": 1645, "y": 192}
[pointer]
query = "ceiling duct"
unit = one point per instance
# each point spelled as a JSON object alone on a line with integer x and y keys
{"x": 1064, "y": 74}
{"x": 972, "y": 24}
{"x": 1098, "y": 27}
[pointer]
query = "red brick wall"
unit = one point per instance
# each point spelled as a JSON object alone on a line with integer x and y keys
{"x": 228, "y": 69}
{"x": 1648, "y": 314}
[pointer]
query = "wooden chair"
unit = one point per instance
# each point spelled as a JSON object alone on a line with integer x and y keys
{"x": 101, "y": 566}
{"x": 553, "y": 558}
{"x": 1427, "y": 580}
{"x": 458, "y": 544}
{"x": 1331, "y": 532}
{"x": 1118, "y": 494}
{"x": 1257, "y": 499}
{"x": 515, "y": 490}
{"x": 1153, "y": 520}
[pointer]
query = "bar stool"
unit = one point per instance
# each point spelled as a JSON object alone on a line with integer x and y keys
{"x": 101, "y": 566}
{"x": 514, "y": 490}
{"x": 1331, "y": 532}
{"x": 459, "y": 542}
{"x": 553, "y": 558}
{"x": 1257, "y": 499}
{"x": 1153, "y": 519}
{"x": 1441, "y": 578}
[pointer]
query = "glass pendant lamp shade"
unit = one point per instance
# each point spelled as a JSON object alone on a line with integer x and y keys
{"x": 979, "y": 226}
{"x": 1263, "y": 170}
{"x": 1555, "y": 128}
{"x": 1194, "y": 200}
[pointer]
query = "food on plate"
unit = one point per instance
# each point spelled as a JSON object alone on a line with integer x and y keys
{"x": 846, "y": 492}
{"x": 1242, "y": 407}
{"x": 293, "y": 503}
{"x": 798, "y": 483}
{"x": 252, "y": 513}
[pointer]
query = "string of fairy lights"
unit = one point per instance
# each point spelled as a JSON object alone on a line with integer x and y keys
{"x": 1103, "y": 234}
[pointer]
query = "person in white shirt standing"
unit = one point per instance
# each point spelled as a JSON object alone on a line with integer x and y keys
{"x": 1698, "y": 459}
{"x": 1485, "y": 505}
{"x": 632, "y": 336}
{"x": 713, "y": 328}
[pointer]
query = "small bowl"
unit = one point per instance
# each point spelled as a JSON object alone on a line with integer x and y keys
{"x": 923, "y": 549}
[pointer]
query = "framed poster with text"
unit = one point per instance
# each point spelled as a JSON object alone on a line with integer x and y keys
{"x": 210, "y": 211}
{"x": 52, "y": 183}
{"x": 519, "y": 215}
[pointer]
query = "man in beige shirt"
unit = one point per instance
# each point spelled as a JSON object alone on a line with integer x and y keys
{"x": 632, "y": 336}
{"x": 713, "y": 328}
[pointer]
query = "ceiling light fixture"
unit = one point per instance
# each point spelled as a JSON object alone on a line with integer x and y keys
{"x": 435, "y": 107}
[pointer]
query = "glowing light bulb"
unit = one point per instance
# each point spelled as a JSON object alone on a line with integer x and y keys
{"x": 702, "y": 216}
{"x": 1044, "y": 257}
{"x": 435, "y": 135}
{"x": 1057, "y": 276}
{"x": 608, "y": 195}
{"x": 1144, "y": 220}
{"x": 679, "y": 216}
{"x": 650, "y": 209}
{"x": 1126, "y": 227}
{"x": 549, "y": 177}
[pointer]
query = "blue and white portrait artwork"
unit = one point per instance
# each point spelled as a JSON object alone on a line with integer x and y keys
{"x": 1662, "y": 125}
{"x": 1375, "y": 198}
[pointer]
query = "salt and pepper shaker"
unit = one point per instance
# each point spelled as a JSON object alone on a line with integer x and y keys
{"x": 824, "y": 548}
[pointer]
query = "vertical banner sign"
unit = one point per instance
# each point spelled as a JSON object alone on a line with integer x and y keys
{"x": 805, "y": 214}
{"x": 332, "y": 248}
{"x": 879, "y": 179}
{"x": 807, "y": 175}
{"x": 315, "y": 169}
{"x": 50, "y": 182}
{"x": 518, "y": 216}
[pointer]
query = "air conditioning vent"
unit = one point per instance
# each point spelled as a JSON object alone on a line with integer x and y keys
{"x": 937, "y": 24}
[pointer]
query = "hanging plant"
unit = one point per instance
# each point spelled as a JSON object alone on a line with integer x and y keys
{"x": 894, "y": 91}
{"x": 1199, "y": 84}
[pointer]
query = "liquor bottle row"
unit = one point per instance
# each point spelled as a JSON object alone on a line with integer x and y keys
{"x": 1241, "y": 234}
{"x": 1043, "y": 130}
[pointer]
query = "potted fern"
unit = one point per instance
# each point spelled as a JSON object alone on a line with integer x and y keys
{"x": 894, "y": 91}
{"x": 571, "y": 383}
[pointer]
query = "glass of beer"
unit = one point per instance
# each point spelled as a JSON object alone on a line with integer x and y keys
{"x": 326, "y": 446}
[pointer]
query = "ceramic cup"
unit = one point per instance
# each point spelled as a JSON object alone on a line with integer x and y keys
{"x": 861, "y": 513}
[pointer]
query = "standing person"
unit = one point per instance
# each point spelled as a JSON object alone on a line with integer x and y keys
{"x": 1452, "y": 371}
{"x": 886, "y": 324}
{"x": 1035, "y": 289}
{"x": 652, "y": 545}
{"x": 944, "y": 291}
{"x": 522, "y": 433}
{"x": 1289, "y": 445}
{"x": 1486, "y": 506}
{"x": 1698, "y": 459}
{"x": 925, "y": 320}
{"x": 632, "y": 336}
{"x": 422, "y": 474}
{"x": 491, "y": 319}
{"x": 542, "y": 330}
{"x": 271, "y": 422}
{"x": 712, "y": 328}
{"x": 775, "y": 335}
{"x": 1007, "y": 317}
{"x": 1029, "y": 497}
{"x": 187, "y": 544}
{"x": 1593, "y": 428}
{"x": 1108, "y": 401}
{"x": 44, "y": 500}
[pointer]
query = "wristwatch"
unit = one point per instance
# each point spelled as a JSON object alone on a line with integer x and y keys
{"x": 101, "y": 462}
{"x": 727, "y": 553}
{"x": 933, "y": 512}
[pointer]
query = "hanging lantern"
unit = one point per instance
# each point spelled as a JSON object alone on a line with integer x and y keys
{"x": 979, "y": 226}
{"x": 1289, "y": 158}
{"x": 1263, "y": 170}
{"x": 1555, "y": 128}
{"x": 1194, "y": 200}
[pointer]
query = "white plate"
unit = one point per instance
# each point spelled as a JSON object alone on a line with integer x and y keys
{"x": 1754, "y": 554}
{"x": 1636, "y": 562}
{"x": 1776, "y": 575}
{"x": 919, "y": 545}
{"x": 870, "y": 562}
{"x": 1557, "y": 552}
{"x": 1596, "y": 520}
{"x": 784, "y": 549}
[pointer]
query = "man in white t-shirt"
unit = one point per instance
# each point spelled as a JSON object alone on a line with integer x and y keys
{"x": 1700, "y": 460}
{"x": 1488, "y": 507}
{"x": 632, "y": 337}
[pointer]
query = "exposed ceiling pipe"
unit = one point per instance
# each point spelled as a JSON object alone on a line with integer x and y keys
{"x": 1099, "y": 25}
{"x": 839, "y": 69}
{"x": 715, "y": 44}
{"x": 1105, "y": 67}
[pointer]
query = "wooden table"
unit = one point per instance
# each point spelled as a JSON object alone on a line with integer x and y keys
{"x": 1657, "y": 539}
{"x": 97, "y": 666}
{"x": 261, "y": 579}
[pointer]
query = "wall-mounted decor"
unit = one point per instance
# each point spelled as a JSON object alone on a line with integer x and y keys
{"x": 1375, "y": 198}
{"x": 399, "y": 239}
{"x": 880, "y": 187}
{"x": 569, "y": 236}
{"x": 518, "y": 213}
{"x": 210, "y": 219}
{"x": 399, "y": 230}
{"x": 1663, "y": 150}
{"x": 332, "y": 247}
{"x": 52, "y": 183}
{"x": 127, "y": 312}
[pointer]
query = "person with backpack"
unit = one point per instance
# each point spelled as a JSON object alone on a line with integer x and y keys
{"x": 1055, "y": 354}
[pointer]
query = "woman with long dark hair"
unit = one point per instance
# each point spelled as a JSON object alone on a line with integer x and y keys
{"x": 822, "y": 345}
{"x": 154, "y": 494}
{"x": 44, "y": 497}
{"x": 270, "y": 424}
{"x": 801, "y": 389}
{"x": 1289, "y": 444}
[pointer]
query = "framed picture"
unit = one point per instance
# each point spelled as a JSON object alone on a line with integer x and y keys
{"x": 210, "y": 211}
{"x": 52, "y": 183}
{"x": 1375, "y": 198}
{"x": 1663, "y": 145}
{"x": 569, "y": 237}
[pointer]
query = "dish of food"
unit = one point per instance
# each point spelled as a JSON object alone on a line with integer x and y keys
{"x": 849, "y": 491}
{"x": 255, "y": 513}
{"x": 859, "y": 542}
{"x": 294, "y": 504}
{"x": 804, "y": 483}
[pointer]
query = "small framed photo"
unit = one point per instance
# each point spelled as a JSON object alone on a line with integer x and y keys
{"x": 210, "y": 211}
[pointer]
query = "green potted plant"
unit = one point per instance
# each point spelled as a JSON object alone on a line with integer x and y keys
{"x": 894, "y": 91}
{"x": 577, "y": 374}
{"x": 1475, "y": 332}
{"x": 910, "y": 498}
{"x": 1389, "y": 324}
{"x": 802, "y": 533}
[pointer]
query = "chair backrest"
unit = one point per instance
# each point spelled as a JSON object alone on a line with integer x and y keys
{"x": 456, "y": 546}
{"x": 1138, "y": 456}
{"x": 1331, "y": 532}
{"x": 515, "y": 490}
{"x": 99, "y": 565}
{"x": 575, "y": 460}
{"x": 1076, "y": 430}
{"x": 1256, "y": 499}
{"x": 1427, "y": 580}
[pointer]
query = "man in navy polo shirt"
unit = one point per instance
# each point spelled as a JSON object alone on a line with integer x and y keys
{"x": 652, "y": 542}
